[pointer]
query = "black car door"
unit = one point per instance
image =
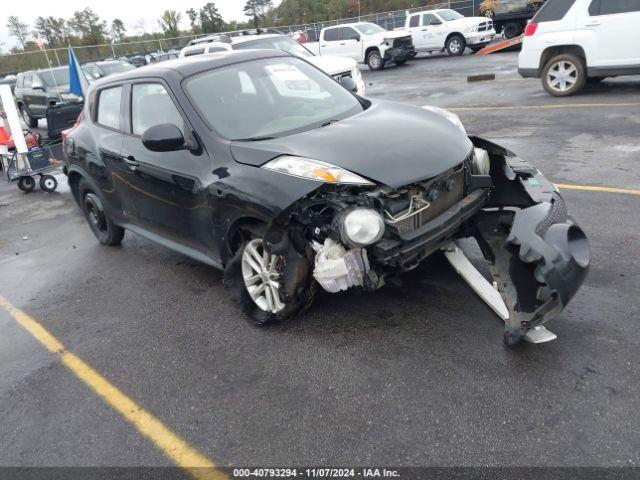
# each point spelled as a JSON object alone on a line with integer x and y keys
{"x": 107, "y": 167}
{"x": 170, "y": 199}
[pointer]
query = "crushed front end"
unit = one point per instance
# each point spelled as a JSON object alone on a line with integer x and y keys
{"x": 355, "y": 236}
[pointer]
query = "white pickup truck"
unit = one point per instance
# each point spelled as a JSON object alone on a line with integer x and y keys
{"x": 438, "y": 30}
{"x": 365, "y": 43}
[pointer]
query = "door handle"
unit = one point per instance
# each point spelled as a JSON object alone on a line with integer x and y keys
{"x": 342, "y": 44}
{"x": 131, "y": 162}
{"x": 594, "y": 23}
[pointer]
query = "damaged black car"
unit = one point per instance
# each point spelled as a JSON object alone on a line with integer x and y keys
{"x": 259, "y": 164}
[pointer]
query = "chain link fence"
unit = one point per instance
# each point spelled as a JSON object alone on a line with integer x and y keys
{"x": 13, "y": 63}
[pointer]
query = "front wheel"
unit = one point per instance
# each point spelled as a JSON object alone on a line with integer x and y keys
{"x": 564, "y": 75}
{"x": 26, "y": 184}
{"x": 107, "y": 232}
{"x": 255, "y": 280}
{"x": 375, "y": 61}
{"x": 455, "y": 45}
{"x": 48, "y": 183}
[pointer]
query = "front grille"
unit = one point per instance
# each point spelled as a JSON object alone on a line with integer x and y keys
{"x": 485, "y": 26}
{"x": 405, "y": 43}
{"x": 412, "y": 207}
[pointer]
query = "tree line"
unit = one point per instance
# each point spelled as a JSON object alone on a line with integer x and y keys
{"x": 86, "y": 28}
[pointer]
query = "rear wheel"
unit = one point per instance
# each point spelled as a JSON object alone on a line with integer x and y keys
{"x": 28, "y": 119}
{"x": 107, "y": 232}
{"x": 375, "y": 61}
{"x": 455, "y": 45}
{"x": 564, "y": 75}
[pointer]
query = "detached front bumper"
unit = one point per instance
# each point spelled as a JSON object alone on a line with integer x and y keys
{"x": 539, "y": 257}
{"x": 399, "y": 54}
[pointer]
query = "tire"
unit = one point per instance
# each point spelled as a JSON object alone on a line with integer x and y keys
{"x": 489, "y": 13}
{"x": 107, "y": 232}
{"x": 48, "y": 183}
{"x": 255, "y": 305}
{"x": 375, "y": 61}
{"x": 455, "y": 45}
{"x": 511, "y": 30}
{"x": 28, "y": 119}
{"x": 26, "y": 184}
{"x": 570, "y": 75}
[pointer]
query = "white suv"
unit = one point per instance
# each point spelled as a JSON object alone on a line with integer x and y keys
{"x": 573, "y": 42}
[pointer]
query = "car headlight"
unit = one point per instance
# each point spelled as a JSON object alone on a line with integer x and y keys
{"x": 469, "y": 29}
{"x": 314, "y": 170}
{"x": 362, "y": 227}
{"x": 452, "y": 117}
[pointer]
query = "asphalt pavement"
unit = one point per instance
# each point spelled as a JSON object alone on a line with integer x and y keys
{"x": 413, "y": 375}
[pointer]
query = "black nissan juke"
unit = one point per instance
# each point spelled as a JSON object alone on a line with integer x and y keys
{"x": 257, "y": 163}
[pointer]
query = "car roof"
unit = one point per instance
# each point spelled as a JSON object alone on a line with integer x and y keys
{"x": 185, "y": 67}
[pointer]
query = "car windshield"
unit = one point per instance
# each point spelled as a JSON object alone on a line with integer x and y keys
{"x": 287, "y": 44}
{"x": 449, "y": 15}
{"x": 119, "y": 67}
{"x": 269, "y": 98}
{"x": 369, "y": 28}
{"x": 57, "y": 76}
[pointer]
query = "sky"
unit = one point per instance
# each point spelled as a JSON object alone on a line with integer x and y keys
{"x": 131, "y": 12}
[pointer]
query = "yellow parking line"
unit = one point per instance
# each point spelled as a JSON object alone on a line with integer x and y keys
{"x": 174, "y": 447}
{"x": 543, "y": 107}
{"x": 588, "y": 188}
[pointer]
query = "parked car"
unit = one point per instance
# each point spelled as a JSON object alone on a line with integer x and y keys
{"x": 37, "y": 90}
{"x": 339, "y": 68}
{"x": 365, "y": 43}
{"x": 570, "y": 43}
{"x": 164, "y": 56}
{"x": 138, "y": 60}
{"x": 438, "y": 30}
{"x": 96, "y": 70}
{"x": 259, "y": 164}
{"x": 9, "y": 80}
{"x": 495, "y": 8}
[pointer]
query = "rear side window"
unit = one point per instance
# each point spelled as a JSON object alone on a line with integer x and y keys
{"x": 611, "y": 7}
{"x": 109, "y": 107}
{"x": 333, "y": 35}
{"x": 414, "y": 21}
{"x": 28, "y": 80}
{"x": 553, "y": 11}
{"x": 348, "y": 33}
{"x": 20, "y": 81}
{"x": 152, "y": 105}
{"x": 196, "y": 51}
{"x": 430, "y": 19}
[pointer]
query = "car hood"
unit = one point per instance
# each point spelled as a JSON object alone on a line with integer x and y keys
{"x": 390, "y": 143}
{"x": 333, "y": 65}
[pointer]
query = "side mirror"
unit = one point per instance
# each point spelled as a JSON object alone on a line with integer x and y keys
{"x": 355, "y": 37}
{"x": 164, "y": 137}
{"x": 349, "y": 84}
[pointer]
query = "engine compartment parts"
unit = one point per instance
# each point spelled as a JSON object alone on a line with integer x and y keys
{"x": 337, "y": 269}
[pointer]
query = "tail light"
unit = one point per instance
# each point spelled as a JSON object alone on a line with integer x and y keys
{"x": 66, "y": 145}
{"x": 531, "y": 29}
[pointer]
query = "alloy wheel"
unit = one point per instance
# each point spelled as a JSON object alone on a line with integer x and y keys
{"x": 374, "y": 61}
{"x": 562, "y": 76}
{"x": 260, "y": 275}
{"x": 455, "y": 46}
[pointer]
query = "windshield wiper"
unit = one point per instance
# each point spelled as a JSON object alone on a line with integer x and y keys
{"x": 254, "y": 139}
{"x": 326, "y": 124}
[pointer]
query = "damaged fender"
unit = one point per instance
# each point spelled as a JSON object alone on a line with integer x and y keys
{"x": 539, "y": 257}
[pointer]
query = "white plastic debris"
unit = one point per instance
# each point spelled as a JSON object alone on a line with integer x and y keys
{"x": 337, "y": 269}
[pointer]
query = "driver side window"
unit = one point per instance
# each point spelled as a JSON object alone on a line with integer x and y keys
{"x": 151, "y": 105}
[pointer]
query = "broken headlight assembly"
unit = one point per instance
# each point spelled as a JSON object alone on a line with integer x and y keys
{"x": 361, "y": 227}
{"x": 314, "y": 170}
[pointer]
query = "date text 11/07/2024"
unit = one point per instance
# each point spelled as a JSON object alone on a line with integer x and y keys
{"x": 315, "y": 473}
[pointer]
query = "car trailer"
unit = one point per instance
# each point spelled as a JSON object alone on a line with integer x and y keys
{"x": 512, "y": 25}
{"x": 38, "y": 162}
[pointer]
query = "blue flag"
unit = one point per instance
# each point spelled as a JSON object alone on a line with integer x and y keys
{"x": 77, "y": 80}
